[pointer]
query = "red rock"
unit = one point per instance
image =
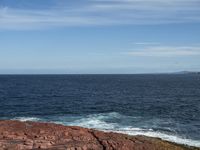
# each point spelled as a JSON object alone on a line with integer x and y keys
{"x": 15, "y": 135}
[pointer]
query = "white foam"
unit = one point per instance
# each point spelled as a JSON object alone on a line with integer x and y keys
{"x": 151, "y": 133}
{"x": 93, "y": 122}
{"x": 100, "y": 122}
{"x": 23, "y": 119}
{"x": 97, "y": 121}
{"x": 102, "y": 116}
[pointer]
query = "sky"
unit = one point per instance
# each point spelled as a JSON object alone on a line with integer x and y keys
{"x": 99, "y": 36}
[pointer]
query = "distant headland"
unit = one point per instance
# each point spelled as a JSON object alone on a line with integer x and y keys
{"x": 187, "y": 72}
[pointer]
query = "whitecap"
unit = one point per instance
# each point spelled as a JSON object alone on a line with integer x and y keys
{"x": 23, "y": 119}
{"x": 100, "y": 122}
{"x": 163, "y": 136}
{"x": 93, "y": 122}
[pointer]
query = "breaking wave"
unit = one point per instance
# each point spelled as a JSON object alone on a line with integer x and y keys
{"x": 114, "y": 122}
{"x": 23, "y": 119}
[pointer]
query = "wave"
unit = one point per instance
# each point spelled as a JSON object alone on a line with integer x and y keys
{"x": 93, "y": 122}
{"x": 156, "y": 134}
{"x": 114, "y": 122}
{"x": 98, "y": 121}
{"x": 23, "y": 119}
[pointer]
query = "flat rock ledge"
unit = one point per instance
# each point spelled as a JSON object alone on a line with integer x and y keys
{"x": 16, "y": 135}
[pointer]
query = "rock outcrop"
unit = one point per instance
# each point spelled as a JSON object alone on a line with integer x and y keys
{"x": 16, "y": 135}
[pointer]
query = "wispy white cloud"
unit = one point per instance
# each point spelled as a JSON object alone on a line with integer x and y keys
{"x": 103, "y": 12}
{"x": 146, "y": 43}
{"x": 166, "y": 51}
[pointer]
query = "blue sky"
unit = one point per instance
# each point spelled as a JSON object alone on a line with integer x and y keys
{"x": 99, "y": 36}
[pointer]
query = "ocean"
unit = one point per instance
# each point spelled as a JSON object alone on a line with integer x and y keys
{"x": 158, "y": 105}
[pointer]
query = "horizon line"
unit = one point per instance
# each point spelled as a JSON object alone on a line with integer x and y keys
{"x": 150, "y": 73}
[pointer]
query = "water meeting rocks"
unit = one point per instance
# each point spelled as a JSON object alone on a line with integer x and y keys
{"x": 16, "y": 135}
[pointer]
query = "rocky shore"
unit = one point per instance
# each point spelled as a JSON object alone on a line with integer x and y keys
{"x": 16, "y": 135}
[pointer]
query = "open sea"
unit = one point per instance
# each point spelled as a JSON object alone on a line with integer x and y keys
{"x": 160, "y": 105}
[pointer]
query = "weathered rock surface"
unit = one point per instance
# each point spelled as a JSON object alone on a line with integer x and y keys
{"x": 16, "y": 135}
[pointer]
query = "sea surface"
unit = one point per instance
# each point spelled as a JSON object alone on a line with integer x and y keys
{"x": 159, "y": 105}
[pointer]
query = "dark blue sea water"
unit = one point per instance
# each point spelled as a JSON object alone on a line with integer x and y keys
{"x": 165, "y": 106}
